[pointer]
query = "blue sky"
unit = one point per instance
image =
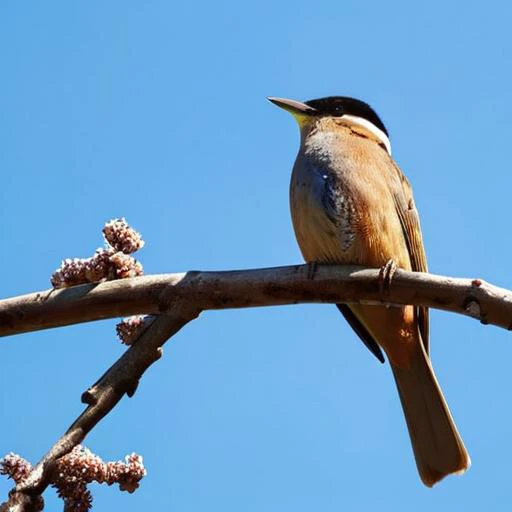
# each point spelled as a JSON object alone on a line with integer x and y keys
{"x": 156, "y": 111}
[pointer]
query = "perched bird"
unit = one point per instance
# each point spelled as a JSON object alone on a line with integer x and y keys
{"x": 351, "y": 204}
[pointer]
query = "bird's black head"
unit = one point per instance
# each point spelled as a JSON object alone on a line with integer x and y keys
{"x": 338, "y": 106}
{"x": 335, "y": 106}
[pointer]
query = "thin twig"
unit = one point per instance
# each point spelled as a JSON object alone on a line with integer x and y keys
{"x": 122, "y": 378}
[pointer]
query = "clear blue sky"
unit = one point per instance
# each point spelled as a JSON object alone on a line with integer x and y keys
{"x": 156, "y": 111}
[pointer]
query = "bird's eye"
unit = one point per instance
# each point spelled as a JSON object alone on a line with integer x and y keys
{"x": 338, "y": 110}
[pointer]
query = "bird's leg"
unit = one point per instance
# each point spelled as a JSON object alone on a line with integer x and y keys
{"x": 386, "y": 274}
{"x": 312, "y": 268}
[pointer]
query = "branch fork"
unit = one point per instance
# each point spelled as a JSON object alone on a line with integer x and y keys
{"x": 176, "y": 299}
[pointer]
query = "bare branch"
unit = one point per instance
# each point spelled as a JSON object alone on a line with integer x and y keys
{"x": 101, "y": 398}
{"x": 156, "y": 294}
{"x": 179, "y": 298}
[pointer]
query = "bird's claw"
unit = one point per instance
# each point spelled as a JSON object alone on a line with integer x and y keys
{"x": 386, "y": 274}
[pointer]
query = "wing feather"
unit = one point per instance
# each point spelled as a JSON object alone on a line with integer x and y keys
{"x": 410, "y": 221}
{"x": 361, "y": 331}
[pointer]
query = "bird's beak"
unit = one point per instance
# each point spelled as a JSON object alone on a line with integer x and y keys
{"x": 296, "y": 108}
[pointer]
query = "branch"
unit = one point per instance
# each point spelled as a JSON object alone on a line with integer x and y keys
{"x": 179, "y": 298}
{"x": 101, "y": 398}
{"x": 156, "y": 294}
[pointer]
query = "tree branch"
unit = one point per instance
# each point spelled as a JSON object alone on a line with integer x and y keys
{"x": 179, "y": 298}
{"x": 156, "y": 294}
{"x": 102, "y": 397}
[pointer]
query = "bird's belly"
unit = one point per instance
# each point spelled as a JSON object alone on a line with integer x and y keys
{"x": 322, "y": 219}
{"x": 316, "y": 236}
{"x": 341, "y": 217}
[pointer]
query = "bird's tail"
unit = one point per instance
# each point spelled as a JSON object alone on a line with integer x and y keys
{"x": 438, "y": 447}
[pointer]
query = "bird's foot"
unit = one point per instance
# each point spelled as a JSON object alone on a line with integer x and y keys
{"x": 312, "y": 268}
{"x": 386, "y": 274}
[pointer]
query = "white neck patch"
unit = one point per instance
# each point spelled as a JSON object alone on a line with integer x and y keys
{"x": 371, "y": 128}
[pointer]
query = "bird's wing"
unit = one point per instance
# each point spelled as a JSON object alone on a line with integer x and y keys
{"x": 361, "y": 331}
{"x": 410, "y": 221}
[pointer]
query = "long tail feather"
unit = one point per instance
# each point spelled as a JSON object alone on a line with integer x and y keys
{"x": 438, "y": 447}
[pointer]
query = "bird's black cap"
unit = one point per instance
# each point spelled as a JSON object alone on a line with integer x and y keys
{"x": 344, "y": 105}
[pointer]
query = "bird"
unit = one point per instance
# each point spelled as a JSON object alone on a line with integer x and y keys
{"x": 351, "y": 204}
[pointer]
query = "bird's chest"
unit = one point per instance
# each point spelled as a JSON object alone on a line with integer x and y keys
{"x": 323, "y": 211}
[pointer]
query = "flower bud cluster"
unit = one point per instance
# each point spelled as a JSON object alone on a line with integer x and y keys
{"x": 112, "y": 262}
